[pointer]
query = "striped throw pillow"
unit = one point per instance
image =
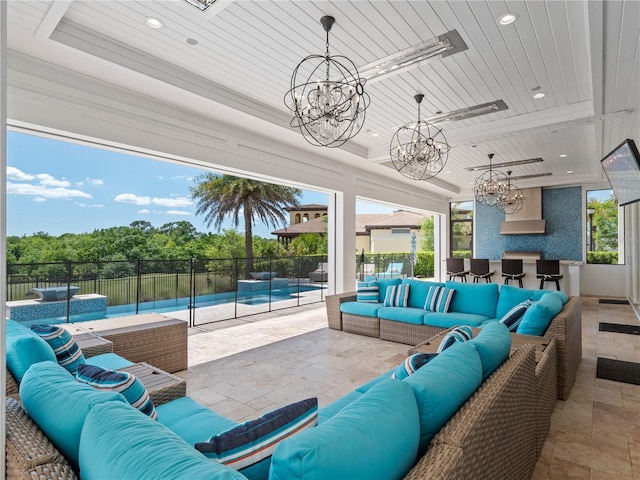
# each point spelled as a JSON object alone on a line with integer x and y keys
{"x": 438, "y": 299}
{"x": 411, "y": 364}
{"x": 68, "y": 353}
{"x": 255, "y": 440}
{"x": 367, "y": 292}
{"x": 514, "y": 316}
{"x": 122, "y": 382}
{"x": 397, "y": 295}
{"x": 458, "y": 334}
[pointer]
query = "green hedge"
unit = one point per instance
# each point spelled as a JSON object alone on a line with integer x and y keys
{"x": 461, "y": 254}
{"x": 424, "y": 265}
{"x": 607, "y": 258}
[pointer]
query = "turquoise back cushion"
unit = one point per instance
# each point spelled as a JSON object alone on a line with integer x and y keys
{"x": 24, "y": 348}
{"x": 493, "y": 344}
{"x": 375, "y": 436}
{"x": 59, "y": 405}
{"x": 383, "y": 283}
{"x": 418, "y": 291}
{"x": 117, "y": 441}
{"x": 512, "y": 296}
{"x": 481, "y": 299}
{"x": 442, "y": 386}
{"x": 538, "y": 316}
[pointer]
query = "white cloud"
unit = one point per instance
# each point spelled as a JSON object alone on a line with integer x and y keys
{"x": 39, "y": 199}
{"x": 17, "y": 174}
{"x": 173, "y": 202}
{"x": 145, "y": 200}
{"x": 132, "y": 198}
{"x": 94, "y": 181}
{"x": 177, "y": 212}
{"x": 44, "y": 191}
{"x": 51, "y": 181}
{"x": 144, "y": 211}
{"x": 182, "y": 177}
{"x": 97, "y": 205}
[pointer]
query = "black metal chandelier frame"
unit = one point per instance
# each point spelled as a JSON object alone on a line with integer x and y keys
{"x": 327, "y": 97}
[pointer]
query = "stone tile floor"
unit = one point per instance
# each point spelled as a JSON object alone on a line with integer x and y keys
{"x": 245, "y": 367}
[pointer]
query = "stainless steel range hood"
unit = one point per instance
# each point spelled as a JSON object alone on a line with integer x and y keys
{"x": 529, "y": 219}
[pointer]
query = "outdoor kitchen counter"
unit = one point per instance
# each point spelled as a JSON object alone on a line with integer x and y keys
{"x": 570, "y": 284}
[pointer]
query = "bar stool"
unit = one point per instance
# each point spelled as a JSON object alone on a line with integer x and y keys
{"x": 548, "y": 271}
{"x": 480, "y": 269}
{"x": 455, "y": 268}
{"x": 512, "y": 270}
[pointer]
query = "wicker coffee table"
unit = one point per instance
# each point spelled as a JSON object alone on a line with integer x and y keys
{"x": 162, "y": 386}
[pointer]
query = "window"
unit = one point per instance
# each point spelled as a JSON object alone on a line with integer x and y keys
{"x": 605, "y": 228}
{"x": 461, "y": 233}
{"x": 404, "y": 231}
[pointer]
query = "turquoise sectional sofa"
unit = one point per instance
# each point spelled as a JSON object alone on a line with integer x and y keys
{"x": 552, "y": 314}
{"x": 386, "y": 429}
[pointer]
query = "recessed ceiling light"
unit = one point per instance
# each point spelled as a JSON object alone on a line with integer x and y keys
{"x": 562, "y": 155}
{"x": 538, "y": 95}
{"x": 374, "y": 135}
{"x": 569, "y": 172}
{"x": 507, "y": 18}
{"x": 154, "y": 22}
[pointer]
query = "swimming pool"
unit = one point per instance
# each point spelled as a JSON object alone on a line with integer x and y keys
{"x": 173, "y": 305}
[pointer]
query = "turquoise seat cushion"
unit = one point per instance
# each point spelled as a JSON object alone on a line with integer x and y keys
{"x": 327, "y": 412}
{"x": 493, "y": 344}
{"x": 402, "y": 314}
{"x": 375, "y": 436}
{"x": 64, "y": 346}
{"x": 480, "y": 299}
{"x": 109, "y": 361}
{"x": 561, "y": 295}
{"x": 191, "y": 421}
{"x": 24, "y": 348}
{"x": 538, "y": 316}
{"x": 383, "y": 283}
{"x": 361, "y": 308}
{"x": 453, "y": 319}
{"x": 512, "y": 296}
{"x": 442, "y": 386}
{"x": 119, "y": 442}
{"x": 418, "y": 291}
{"x": 59, "y": 404}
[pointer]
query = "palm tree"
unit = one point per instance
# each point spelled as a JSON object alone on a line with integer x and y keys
{"x": 224, "y": 196}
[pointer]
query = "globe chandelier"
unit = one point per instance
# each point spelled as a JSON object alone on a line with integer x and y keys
{"x": 327, "y": 97}
{"x": 513, "y": 199}
{"x": 490, "y": 187}
{"x": 419, "y": 150}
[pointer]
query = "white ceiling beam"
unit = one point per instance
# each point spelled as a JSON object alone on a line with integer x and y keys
{"x": 52, "y": 18}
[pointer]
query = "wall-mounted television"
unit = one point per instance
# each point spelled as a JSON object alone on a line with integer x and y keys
{"x": 622, "y": 167}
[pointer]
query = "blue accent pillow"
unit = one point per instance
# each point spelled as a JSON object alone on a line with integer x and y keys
{"x": 411, "y": 364}
{"x": 458, "y": 334}
{"x": 122, "y": 382}
{"x": 511, "y": 296}
{"x": 438, "y": 299}
{"x": 383, "y": 284}
{"x": 24, "y": 348}
{"x": 67, "y": 351}
{"x": 397, "y": 296}
{"x": 538, "y": 316}
{"x": 418, "y": 291}
{"x": 367, "y": 292}
{"x": 513, "y": 317}
{"x": 255, "y": 440}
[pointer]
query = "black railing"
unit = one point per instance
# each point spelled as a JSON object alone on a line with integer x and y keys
{"x": 139, "y": 286}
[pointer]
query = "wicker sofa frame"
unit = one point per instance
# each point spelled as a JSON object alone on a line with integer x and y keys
{"x": 566, "y": 328}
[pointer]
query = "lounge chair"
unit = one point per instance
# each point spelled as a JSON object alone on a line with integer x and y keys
{"x": 320, "y": 274}
{"x": 393, "y": 270}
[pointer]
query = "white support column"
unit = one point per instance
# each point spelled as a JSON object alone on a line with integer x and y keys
{"x": 3, "y": 217}
{"x": 342, "y": 242}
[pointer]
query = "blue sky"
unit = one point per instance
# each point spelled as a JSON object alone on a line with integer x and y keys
{"x": 60, "y": 187}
